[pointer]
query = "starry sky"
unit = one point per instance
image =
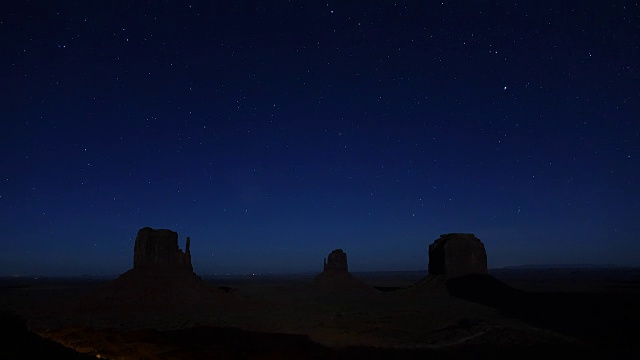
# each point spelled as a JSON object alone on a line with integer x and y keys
{"x": 274, "y": 132}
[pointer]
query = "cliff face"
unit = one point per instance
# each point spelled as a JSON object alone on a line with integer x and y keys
{"x": 158, "y": 249}
{"x": 336, "y": 276}
{"x": 337, "y": 261}
{"x": 161, "y": 284}
{"x": 457, "y": 254}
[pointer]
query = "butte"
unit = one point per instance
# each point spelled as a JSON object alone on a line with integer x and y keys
{"x": 336, "y": 275}
{"x": 160, "y": 288}
{"x": 458, "y": 264}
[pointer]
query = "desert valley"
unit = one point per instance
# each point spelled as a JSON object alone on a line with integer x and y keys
{"x": 160, "y": 309}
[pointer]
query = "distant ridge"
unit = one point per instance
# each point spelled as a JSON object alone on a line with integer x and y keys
{"x": 564, "y": 266}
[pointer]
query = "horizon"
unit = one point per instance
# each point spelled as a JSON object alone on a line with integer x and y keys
{"x": 312, "y": 273}
{"x": 309, "y": 270}
{"x": 207, "y": 264}
{"x": 272, "y": 134}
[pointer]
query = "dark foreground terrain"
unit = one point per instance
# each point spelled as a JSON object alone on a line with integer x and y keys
{"x": 518, "y": 313}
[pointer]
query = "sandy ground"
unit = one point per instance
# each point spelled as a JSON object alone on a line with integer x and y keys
{"x": 332, "y": 318}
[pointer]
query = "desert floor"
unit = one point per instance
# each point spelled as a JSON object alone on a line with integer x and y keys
{"x": 552, "y": 312}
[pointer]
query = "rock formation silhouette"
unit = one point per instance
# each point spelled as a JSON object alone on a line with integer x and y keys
{"x": 337, "y": 261}
{"x": 157, "y": 249}
{"x": 161, "y": 284}
{"x": 457, "y": 254}
{"x": 336, "y": 276}
{"x": 458, "y": 265}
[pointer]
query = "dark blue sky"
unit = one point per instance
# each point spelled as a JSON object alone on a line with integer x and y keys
{"x": 274, "y": 132}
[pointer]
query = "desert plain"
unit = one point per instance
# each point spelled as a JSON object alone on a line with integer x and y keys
{"x": 528, "y": 312}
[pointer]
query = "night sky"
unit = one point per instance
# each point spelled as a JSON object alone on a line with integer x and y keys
{"x": 274, "y": 132}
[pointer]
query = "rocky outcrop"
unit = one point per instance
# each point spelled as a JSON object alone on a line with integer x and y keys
{"x": 458, "y": 263}
{"x": 336, "y": 276}
{"x": 451, "y": 257}
{"x": 337, "y": 261}
{"x": 158, "y": 249}
{"x": 457, "y": 254}
{"x": 161, "y": 285}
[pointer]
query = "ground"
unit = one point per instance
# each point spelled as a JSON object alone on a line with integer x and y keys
{"x": 564, "y": 310}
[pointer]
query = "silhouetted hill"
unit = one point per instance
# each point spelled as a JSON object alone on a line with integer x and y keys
{"x": 563, "y": 266}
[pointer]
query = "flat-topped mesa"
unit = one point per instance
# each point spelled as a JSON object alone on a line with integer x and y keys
{"x": 158, "y": 249}
{"x": 337, "y": 261}
{"x": 457, "y": 254}
{"x": 336, "y": 276}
